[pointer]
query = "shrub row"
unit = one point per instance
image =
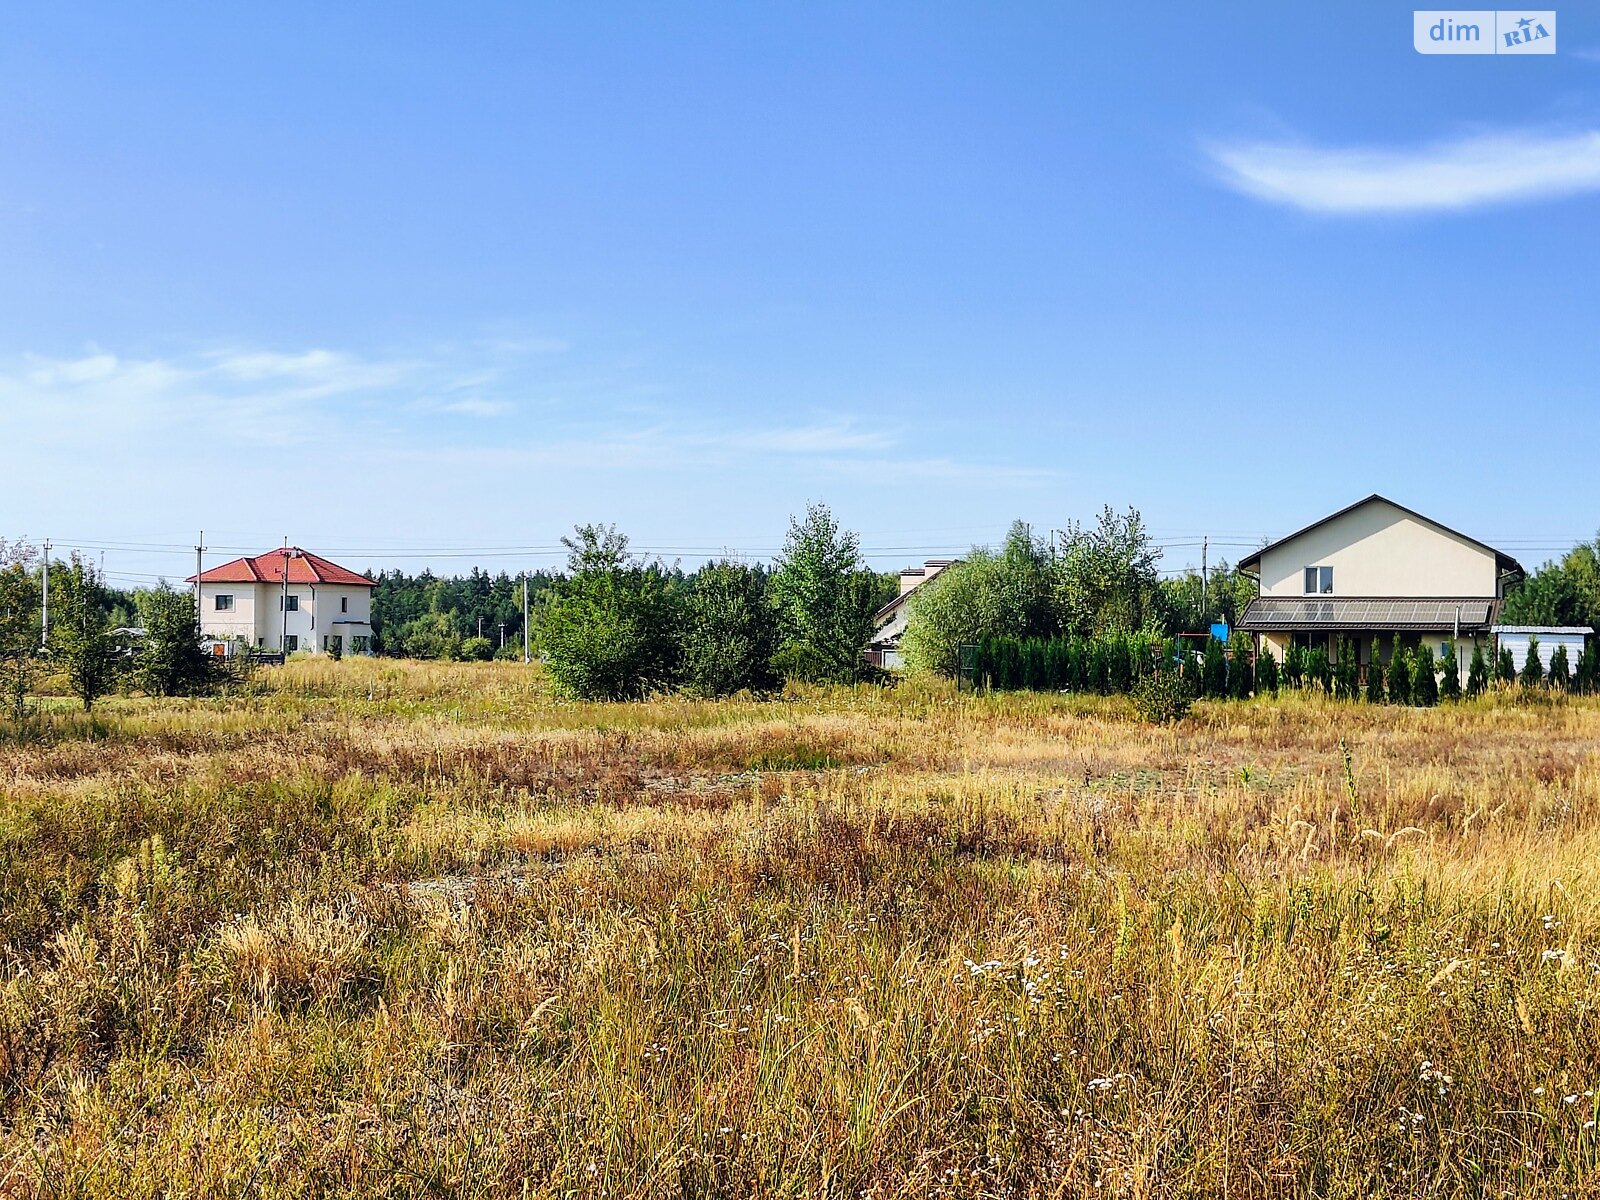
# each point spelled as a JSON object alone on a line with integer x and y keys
{"x": 1117, "y": 664}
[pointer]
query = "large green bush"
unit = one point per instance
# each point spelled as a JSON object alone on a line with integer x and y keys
{"x": 607, "y": 631}
{"x": 730, "y": 632}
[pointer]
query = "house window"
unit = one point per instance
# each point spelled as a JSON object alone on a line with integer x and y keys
{"x": 291, "y": 644}
{"x": 288, "y": 603}
{"x": 359, "y": 644}
{"x": 224, "y": 604}
{"x": 344, "y": 603}
{"x": 1319, "y": 581}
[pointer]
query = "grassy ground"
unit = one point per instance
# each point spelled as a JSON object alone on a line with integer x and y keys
{"x": 418, "y": 930}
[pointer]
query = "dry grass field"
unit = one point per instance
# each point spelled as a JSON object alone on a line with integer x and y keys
{"x": 395, "y": 929}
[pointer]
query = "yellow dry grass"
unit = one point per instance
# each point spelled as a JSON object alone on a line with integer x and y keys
{"x": 398, "y": 929}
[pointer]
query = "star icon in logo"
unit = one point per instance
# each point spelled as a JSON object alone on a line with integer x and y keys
{"x": 1525, "y": 22}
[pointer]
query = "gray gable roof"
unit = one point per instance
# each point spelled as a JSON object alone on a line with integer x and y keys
{"x": 1504, "y": 563}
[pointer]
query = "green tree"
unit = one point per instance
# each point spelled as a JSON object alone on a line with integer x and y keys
{"x": 1189, "y": 604}
{"x": 1319, "y": 671}
{"x": 1566, "y": 592}
{"x": 81, "y": 643}
{"x": 1477, "y": 671}
{"x": 1449, "y": 673}
{"x": 19, "y": 634}
{"x": 1241, "y": 673}
{"x": 1505, "y": 666}
{"x": 1105, "y": 579}
{"x": 1424, "y": 680}
{"x": 1294, "y": 666}
{"x": 171, "y": 660}
{"x": 730, "y": 632}
{"x": 1214, "y": 674}
{"x": 1560, "y": 674}
{"x": 1532, "y": 666}
{"x": 1583, "y": 677}
{"x": 985, "y": 595}
{"x": 1346, "y": 672}
{"x": 1400, "y": 690}
{"x": 1375, "y": 692}
{"x": 608, "y": 630}
{"x": 1267, "y": 671}
{"x": 825, "y": 600}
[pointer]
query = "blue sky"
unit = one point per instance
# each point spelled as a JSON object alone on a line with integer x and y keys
{"x": 395, "y": 280}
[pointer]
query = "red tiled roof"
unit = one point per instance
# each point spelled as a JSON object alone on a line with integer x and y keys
{"x": 304, "y": 567}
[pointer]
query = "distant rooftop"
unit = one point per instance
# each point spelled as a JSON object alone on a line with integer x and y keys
{"x": 303, "y": 567}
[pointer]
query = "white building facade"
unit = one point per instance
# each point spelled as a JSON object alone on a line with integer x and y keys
{"x": 321, "y": 607}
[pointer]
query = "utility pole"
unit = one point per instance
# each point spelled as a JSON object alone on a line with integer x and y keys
{"x": 44, "y": 636}
{"x": 526, "y": 657}
{"x": 480, "y": 624}
{"x": 1205, "y": 608}
{"x": 283, "y": 602}
{"x": 502, "y": 635}
{"x": 199, "y": 570}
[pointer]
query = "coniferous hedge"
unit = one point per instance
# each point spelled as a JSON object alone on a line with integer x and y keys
{"x": 1110, "y": 665}
{"x": 1116, "y": 664}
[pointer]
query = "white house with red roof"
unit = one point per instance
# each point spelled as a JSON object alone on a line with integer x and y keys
{"x": 288, "y": 600}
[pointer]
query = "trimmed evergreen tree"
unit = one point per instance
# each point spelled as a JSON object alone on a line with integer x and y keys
{"x": 1119, "y": 663}
{"x": 1584, "y": 677}
{"x": 1505, "y": 666}
{"x": 1375, "y": 692}
{"x": 1267, "y": 671}
{"x": 1241, "y": 673}
{"x": 1560, "y": 675}
{"x": 1294, "y": 667}
{"x": 1478, "y": 671}
{"x": 1424, "y": 680}
{"x": 1099, "y": 667}
{"x": 1399, "y": 674}
{"x": 1346, "y": 672}
{"x": 1214, "y": 675}
{"x": 1319, "y": 673}
{"x": 1449, "y": 673}
{"x": 1532, "y": 667}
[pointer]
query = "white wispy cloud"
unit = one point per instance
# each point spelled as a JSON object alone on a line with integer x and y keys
{"x": 236, "y": 394}
{"x": 1482, "y": 169}
{"x": 474, "y": 406}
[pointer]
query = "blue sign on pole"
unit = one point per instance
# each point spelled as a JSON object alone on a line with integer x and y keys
{"x": 1220, "y": 631}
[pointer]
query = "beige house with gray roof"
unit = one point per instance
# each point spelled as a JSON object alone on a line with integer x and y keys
{"x": 1373, "y": 571}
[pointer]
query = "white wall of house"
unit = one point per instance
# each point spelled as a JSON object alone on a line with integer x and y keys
{"x": 237, "y": 621}
{"x": 1379, "y": 550}
{"x": 320, "y": 611}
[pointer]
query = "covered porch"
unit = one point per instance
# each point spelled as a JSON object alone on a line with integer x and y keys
{"x": 1364, "y": 627}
